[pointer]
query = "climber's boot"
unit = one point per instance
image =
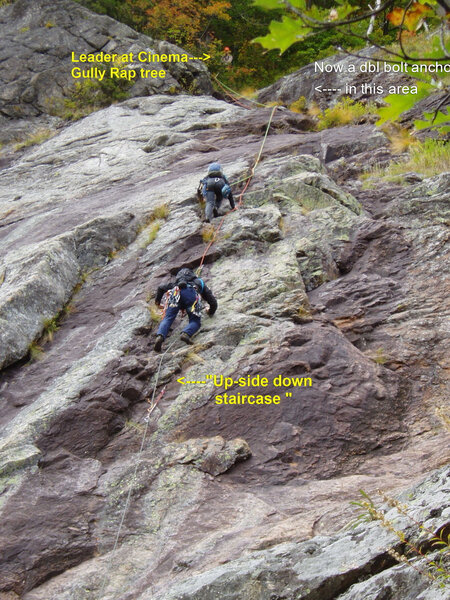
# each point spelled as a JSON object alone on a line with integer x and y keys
{"x": 186, "y": 338}
{"x": 158, "y": 343}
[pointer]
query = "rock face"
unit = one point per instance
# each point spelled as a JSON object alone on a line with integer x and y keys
{"x": 121, "y": 480}
{"x": 328, "y": 567}
{"x": 36, "y": 45}
{"x": 342, "y": 76}
{"x": 334, "y": 80}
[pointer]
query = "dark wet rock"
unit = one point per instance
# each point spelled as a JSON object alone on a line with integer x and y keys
{"x": 37, "y": 41}
{"x": 348, "y": 145}
{"x": 348, "y": 168}
{"x": 63, "y": 489}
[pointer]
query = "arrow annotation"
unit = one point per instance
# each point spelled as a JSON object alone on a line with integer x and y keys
{"x": 349, "y": 89}
{"x": 319, "y": 89}
{"x": 204, "y": 57}
{"x": 183, "y": 381}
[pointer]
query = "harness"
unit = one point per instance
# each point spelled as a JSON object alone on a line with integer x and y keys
{"x": 174, "y": 296}
{"x": 172, "y": 299}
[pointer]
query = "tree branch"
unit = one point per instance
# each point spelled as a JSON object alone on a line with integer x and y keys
{"x": 317, "y": 25}
{"x": 329, "y": 24}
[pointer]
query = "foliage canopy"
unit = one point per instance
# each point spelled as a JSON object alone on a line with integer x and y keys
{"x": 303, "y": 20}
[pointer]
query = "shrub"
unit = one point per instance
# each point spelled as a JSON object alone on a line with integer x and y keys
{"x": 117, "y": 9}
{"x": 344, "y": 112}
{"x": 299, "y": 106}
{"x": 91, "y": 94}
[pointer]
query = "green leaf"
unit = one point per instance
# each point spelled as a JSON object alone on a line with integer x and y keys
{"x": 269, "y": 4}
{"x": 345, "y": 9}
{"x": 283, "y": 34}
{"x": 300, "y": 4}
{"x": 441, "y": 122}
{"x": 400, "y": 103}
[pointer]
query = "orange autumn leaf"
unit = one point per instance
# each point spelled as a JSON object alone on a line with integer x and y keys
{"x": 410, "y": 18}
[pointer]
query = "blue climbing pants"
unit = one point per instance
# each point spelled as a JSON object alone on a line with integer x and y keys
{"x": 213, "y": 196}
{"x": 187, "y": 299}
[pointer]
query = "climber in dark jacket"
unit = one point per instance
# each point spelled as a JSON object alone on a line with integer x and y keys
{"x": 183, "y": 293}
{"x": 215, "y": 187}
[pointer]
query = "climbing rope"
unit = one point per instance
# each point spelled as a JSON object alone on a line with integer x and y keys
{"x": 153, "y": 402}
{"x": 153, "y": 405}
{"x": 241, "y": 195}
{"x": 234, "y": 94}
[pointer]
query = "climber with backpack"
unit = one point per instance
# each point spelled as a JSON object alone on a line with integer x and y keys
{"x": 215, "y": 187}
{"x": 184, "y": 293}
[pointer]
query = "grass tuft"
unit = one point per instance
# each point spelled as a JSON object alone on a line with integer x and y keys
{"x": 249, "y": 92}
{"x": 400, "y": 138}
{"x": 443, "y": 413}
{"x": 134, "y": 425}
{"x": 380, "y": 357}
{"x": 35, "y": 138}
{"x": 35, "y": 352}
{"x": 208, "y": 233}
{"x": 428, "y": 158}
{"x": 160, "y": 212}
{"x": 314, "y": 110}
{"x": 417, "y": 541}
{"x": 152, "y": 233}
{"x": 192, "y": 357}
{"x": 304, "y": 312}
{"x": 51, "y": 326}
{"x": 153, "y": 223}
